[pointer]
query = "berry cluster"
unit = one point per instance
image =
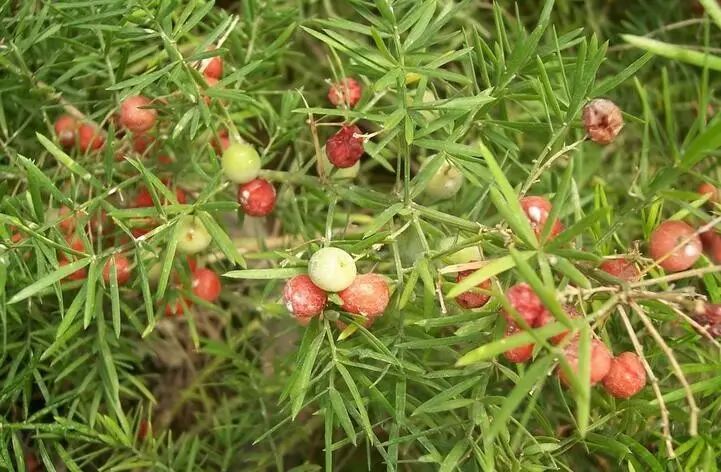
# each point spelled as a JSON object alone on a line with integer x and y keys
{"x": 333, "y": 270}
{"x": 344, "y": 149}
{"x": 241, "y": 165}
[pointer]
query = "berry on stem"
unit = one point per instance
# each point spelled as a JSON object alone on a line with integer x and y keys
{"x": 241, "y": 163}
{"x": 368, "y": 295}
{"x": 214, "y": 67}
{"x": 675, "y": 246}
{"x": 346, "y": 92}
{"x": 626, "y": 376}
{"x": 257, "y": 197}
{"x": 603, "y": 120}
{"x": 66, "y": 127}
{"x": 525, "y": 301}
{"x": 520, "y": 354}
{"x": 338, "y": 173}
{"x": 332, "y": 269}
{"x": 537, "y": 210}
{"x": 303, "y": 298}
{"x": 472, "y": 298}
{"x": 206, "y": 284}
{"x": 193, "y": 237}
{"x": 345, "y": 148}
{"x": 621, "y": 268}
{"x": 90, "y": 137}
{"x": 547, "y": 317}
{"x": 134, "y": 116}
{"x": 601, "y": 359}
{"x": 445, "y": 183}
{"x": 461, "y": 256}
{"x": 122, "y": 269}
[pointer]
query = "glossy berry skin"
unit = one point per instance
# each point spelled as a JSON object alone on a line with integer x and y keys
{"x": 664, "y": 242}
{"x": 241, "y": 163}
{"x": 193, "y": 237}
{"x": 303, "y": 298}
{"x": 626, "y": 377}
{"x": 90, "y": 137}
{"x": 603, "y": 120}
{"x": 66, "y": 128}
{"x": 214, "y": 68}
{"x": 206, "y": 284}
{"x": 345, "y": 148}
{"x": 537, "y": 210}
{"x": 332, "y": 269}
{"x": 520, "y": 354}
{"x": 368, "y": 295}
{"x": 122, "y": 269}
{"x": 135, "y": 117}
{"x": 257, "y": 197}
{"x": 346, "y": 92}
{"x": 621, "y": 268}
{"x": 547, "y": 317}
{"x": 471, "y": 298}
{"x": 525, "y": 301}
{"x": 445, "y": 183}
{"x": 601, "y": 359}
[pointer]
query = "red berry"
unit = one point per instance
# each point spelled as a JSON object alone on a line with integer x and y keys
{"x": 122, "y": 269}
{"x": 143, "y": 428}
{"x": 547, "y": 317}
{"x": 177, "y": 307}
{"x": 143, "y": 199}
{"x": 78, "y": 245}
{"x": 348, "y": 91}
{"x": 344, "y": 148}
{"x": 603, "y": 120}
{"x": 368, "y": 295}
{"x": 90, "y": 137}
{"x": 472, "y": 298}
{"x": 621, "y": 268}
{"x": 68, "y": 220}
{"x": 206, "y": 285}
{"x": 626, "y": 377}
{"x": 134, "y": 116}
{"x": 708, "y": 189}
{"x": 303, "y": 298}
{"x": 142, "y": 142}
{"x": 214, "y": 68}
{"x": 520, "y": 354}
{"x": 601, "y": 359}
{"x": 664, "y": 246}
{"x": 192, "y": 263}
{"x": 222, "y": 142}
{"x": 66, "y": 127}
{"x": 537, "y": 210}
{"x": 257, "y": 197}
{"x": 525, "y": 301}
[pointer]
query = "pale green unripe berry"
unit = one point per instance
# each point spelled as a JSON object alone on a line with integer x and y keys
{"x": 192, "y": 235}
{"x": 446, "y": 182}
{"x": 467, "y": 254}
{"x": 345, "y": 173}
{"x": 332, "y": 269}
{"x": 241, "y": 163}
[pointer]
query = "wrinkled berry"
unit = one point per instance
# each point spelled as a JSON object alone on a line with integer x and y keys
{"x": 257, "y": 197}
{"x": 537, "y": 210}
{"x": 368, "y": 295}
{"x": 664, "y": 246}
{"x": 472, "y": 298}
{"x": 603, "y": 120}
{"x": 547, "y": 317}
{"x": 345, "y": 147}
{"x": 626, "y": 376}
{"x": 134, "y": 116}
{"x": 621, "y": 268}
{"x": 520, "y": 354}
{"x": 601, "y": 359}
{"x": 303, "y": 298}
{"x": 348, "y": 91}
{"x": 525, "y": 301}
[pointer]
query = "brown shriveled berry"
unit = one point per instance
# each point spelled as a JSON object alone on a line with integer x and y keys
{"x": 345, "y": 148}
{"x": 626, "y": 377}
{"x": 66, "y": 128}
{"x": 708, "y": 315}
{"x": 537, "y": 210}
{"x": 621, "y": 268}
{"x": 525, "y": 301}
{"x": 520, "y": 354}
{"x": 348, "y": 91}
{"x": 368, "y": 295}
{"x": 135, "y": 116}
{"x": 90, "y": 137}
{"x": 473, "y": 298}
{"x": 600, "y": 361}
{"x": 675, "y": 246}
{"x": 257, "y": 197}
{"x": 547, "y": 317}
{"x": 303, "y": 298}
{"x": 603, "y": 120}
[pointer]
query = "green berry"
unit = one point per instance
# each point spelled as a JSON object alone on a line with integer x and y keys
{"x": 241, "y": 163}
{"x": 446, "y": 182}
{"x": 467, "y": 254}
{"x": 192, "y": 235}
{"x": 332, "y": 269}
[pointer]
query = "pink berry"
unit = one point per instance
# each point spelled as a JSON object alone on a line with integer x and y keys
{"x": 303, "y": 298}
{"x": 547, "y": 317}
{"x": 347, "y": 91}
{"x": 368, "y": 295}
{"x": 257, "y": 197}
{"x": 206, "y": 284}
{"x": 603, "y": 120}
{"x": 601, "y": 359}
{"x": 472, "y": 298}
{"x": 520, "y": 354}
{"x": 621, "y": 268}
{"x": 664, "y": 246}
{"x": 537, "y": 210}
{"x": 134, "y": 116}
{"x": 66, "y": 127}
{"x": 90, "y": 137}
{"x": 626, "y": 377}
{"x": 525, "y": 301}
{"x": 344, "y": 148}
